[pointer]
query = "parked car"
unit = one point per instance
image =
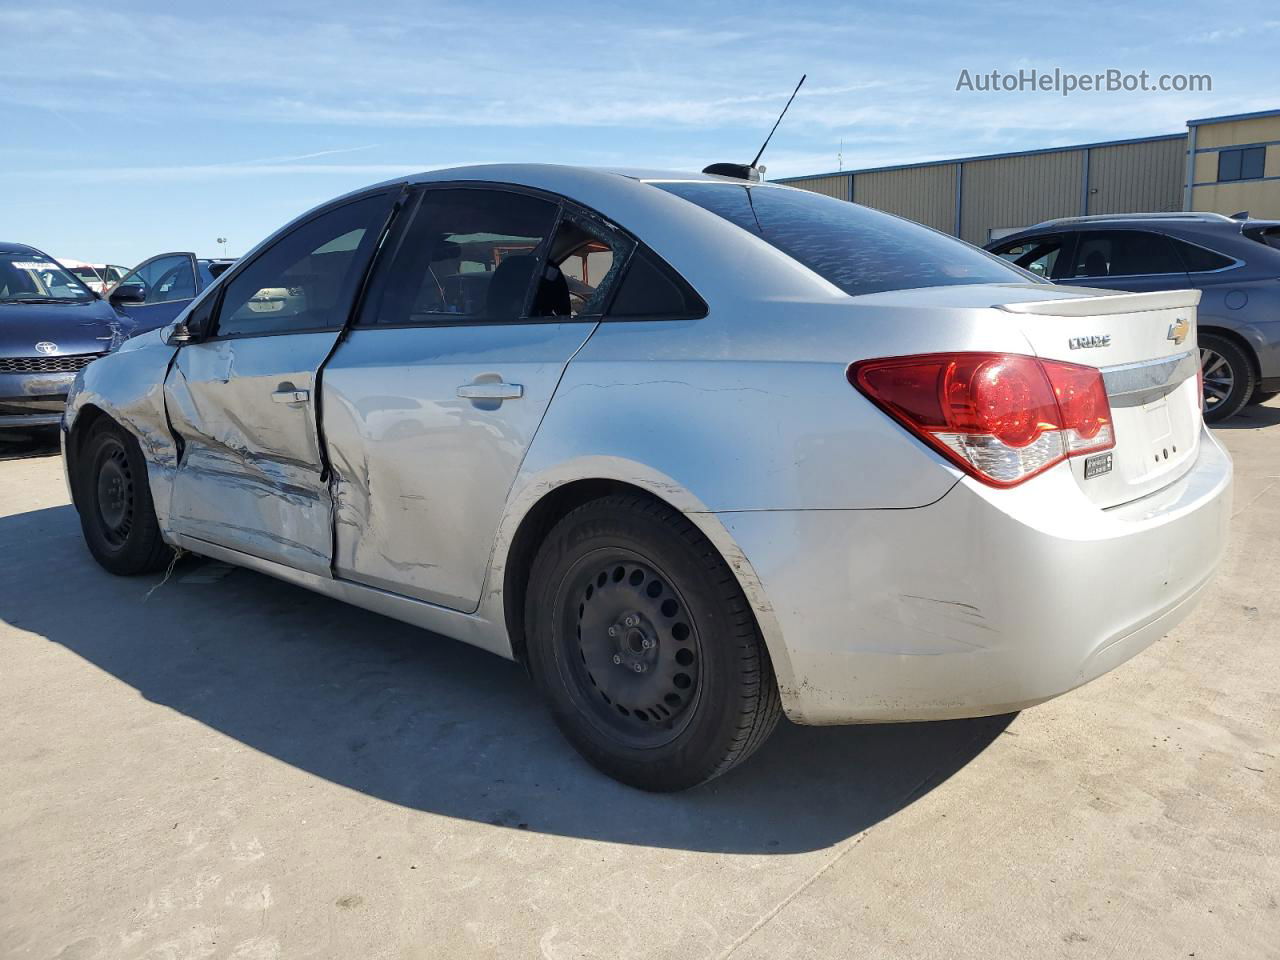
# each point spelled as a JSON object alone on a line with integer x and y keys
{"x": 155, "y": 291}
{"x": 51, "y": 326}
{"x": 96, "y": 276}
{"x": 785, "y": 453}
{"x": 1234, "y": 263}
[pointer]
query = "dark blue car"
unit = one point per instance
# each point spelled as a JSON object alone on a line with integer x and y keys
{"x": 155, "y": 291}
{"x": 51, "y": 326}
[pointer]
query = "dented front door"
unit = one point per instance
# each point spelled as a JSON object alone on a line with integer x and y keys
{"x": 251, "y": 472}
{"x": 243, "y": 402}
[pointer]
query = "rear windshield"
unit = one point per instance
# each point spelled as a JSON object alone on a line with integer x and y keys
{"x": 1268, "y": 235}
{"x": 858, "y": 249}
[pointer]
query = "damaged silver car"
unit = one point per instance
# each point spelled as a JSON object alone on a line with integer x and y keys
{"x": 697, "y": 450}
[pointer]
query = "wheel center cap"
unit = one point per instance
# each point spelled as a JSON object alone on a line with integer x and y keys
{"x": 636, "y": 641}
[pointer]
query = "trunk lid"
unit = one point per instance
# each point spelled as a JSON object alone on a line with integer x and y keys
{"x": 1145, "y": 345}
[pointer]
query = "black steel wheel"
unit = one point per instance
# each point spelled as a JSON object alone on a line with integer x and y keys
{"x": 1229, "y": 377}
{"x": 113, "y": 498}
{"x": 645, "y": 647}
{"x": 632, "y": 659}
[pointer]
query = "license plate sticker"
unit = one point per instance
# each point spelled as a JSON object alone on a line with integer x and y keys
{"x": 1097, "y": 465}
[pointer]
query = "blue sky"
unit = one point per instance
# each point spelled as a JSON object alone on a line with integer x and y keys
{"x": 132, "y": 128}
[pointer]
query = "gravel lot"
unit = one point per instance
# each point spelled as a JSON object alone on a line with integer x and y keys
{"x": 226, "y": 766}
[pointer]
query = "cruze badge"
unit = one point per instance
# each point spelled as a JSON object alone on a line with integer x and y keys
{"x": 1178, "y": 331}
{"x": 1084, "y": 343}
{"x": 45, "y": 347}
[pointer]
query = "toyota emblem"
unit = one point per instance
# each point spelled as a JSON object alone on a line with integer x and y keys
{"x": 45, "y": 347}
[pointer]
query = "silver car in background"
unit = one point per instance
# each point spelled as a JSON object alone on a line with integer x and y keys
{"x": 695, "y": 450}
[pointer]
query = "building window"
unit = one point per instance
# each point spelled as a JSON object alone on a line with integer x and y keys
{"x": 1243, "y": 164}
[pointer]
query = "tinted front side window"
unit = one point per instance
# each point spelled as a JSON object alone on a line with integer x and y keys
{"x": 307, "y": 279}
{"x": 465, "y": 254}
{"x": 164, "y": 279}
{"x": 1123, "y": 253}
{"x": 1040, "y": 255}
{"x": 858, "y": 249}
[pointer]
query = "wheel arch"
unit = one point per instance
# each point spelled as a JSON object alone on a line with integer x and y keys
{"x": 555, "y": 501}
{"x": 87, "y": 416}
{"x": 1241, "y": 341}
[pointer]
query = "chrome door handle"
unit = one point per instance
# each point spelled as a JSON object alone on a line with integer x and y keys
{"x": 291, "y": 396}
{"x": 491, "y": 391}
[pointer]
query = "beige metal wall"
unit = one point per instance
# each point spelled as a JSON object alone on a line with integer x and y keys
{"x": 924, "y": 194}
{"x": 1137, "y": 177}
{"x": 835, "y": 186}
{"x": 1019, "y": 191}
{"x": 1260, "y": 197}
{"x": 1234, "y": 132}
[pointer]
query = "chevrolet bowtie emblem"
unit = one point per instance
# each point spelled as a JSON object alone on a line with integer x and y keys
{"x": 1178, "y": 331}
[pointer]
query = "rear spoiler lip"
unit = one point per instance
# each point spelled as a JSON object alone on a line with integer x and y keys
{"x": 1101, "y": 303}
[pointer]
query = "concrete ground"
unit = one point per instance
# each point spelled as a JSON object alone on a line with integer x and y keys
{"x": 225, "y": 766}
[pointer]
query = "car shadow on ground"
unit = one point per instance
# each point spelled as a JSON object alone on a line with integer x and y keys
{"x": 1252, "y": 417}
{"x": 418, "y": 720}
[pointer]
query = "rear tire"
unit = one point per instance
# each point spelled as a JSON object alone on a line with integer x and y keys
{"x": 114, "y": 500}
{"x": 644, "y": 646}
{"x": 1229, "y": 378}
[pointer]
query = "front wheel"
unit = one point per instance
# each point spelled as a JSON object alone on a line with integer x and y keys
{"x": 645, "y": 647}
{"x": 114, "y": 500}
{"x": 1228, "y": 377}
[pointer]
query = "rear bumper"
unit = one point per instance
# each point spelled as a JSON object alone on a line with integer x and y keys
{"x": 33, "y": 399}
{"x": 984, "y": 602}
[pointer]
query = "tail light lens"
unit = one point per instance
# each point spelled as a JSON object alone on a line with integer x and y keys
{"x": 1001, "y": 417}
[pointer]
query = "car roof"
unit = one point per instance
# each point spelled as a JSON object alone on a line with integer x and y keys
{"x": 519, "y": 172}
{"x": 1167, "y": 217}
{"x": 1188, "y": 220}
{"x": 16, "y": 248}
{"x": 558, "y": 178}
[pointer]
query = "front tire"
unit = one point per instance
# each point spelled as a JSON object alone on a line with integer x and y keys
{"x": 114, "y": 499}
{"x": 645, "y": 648}
{"x": 1229, "y": 378}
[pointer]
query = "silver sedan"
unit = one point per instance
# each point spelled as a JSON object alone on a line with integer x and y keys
{"x": 697, "y": 451}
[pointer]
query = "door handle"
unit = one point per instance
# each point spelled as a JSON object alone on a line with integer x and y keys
{"x": 291, "y": 396}
{"x": 491, "y": 391}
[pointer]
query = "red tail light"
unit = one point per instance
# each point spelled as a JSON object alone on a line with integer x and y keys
{"x": 1001, "y": 417}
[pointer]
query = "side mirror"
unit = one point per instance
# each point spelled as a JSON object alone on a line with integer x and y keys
{"x": 180, "y": 334}
{"x": 128, "y": 293}
{"x": 194, "y": 327}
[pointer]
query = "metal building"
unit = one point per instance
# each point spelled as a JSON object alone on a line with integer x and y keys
{"x": 1223, "y": 164}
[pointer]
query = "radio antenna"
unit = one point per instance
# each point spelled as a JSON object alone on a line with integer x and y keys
{"x": 756, "y": 161}
{"x": 749, "y": 171}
